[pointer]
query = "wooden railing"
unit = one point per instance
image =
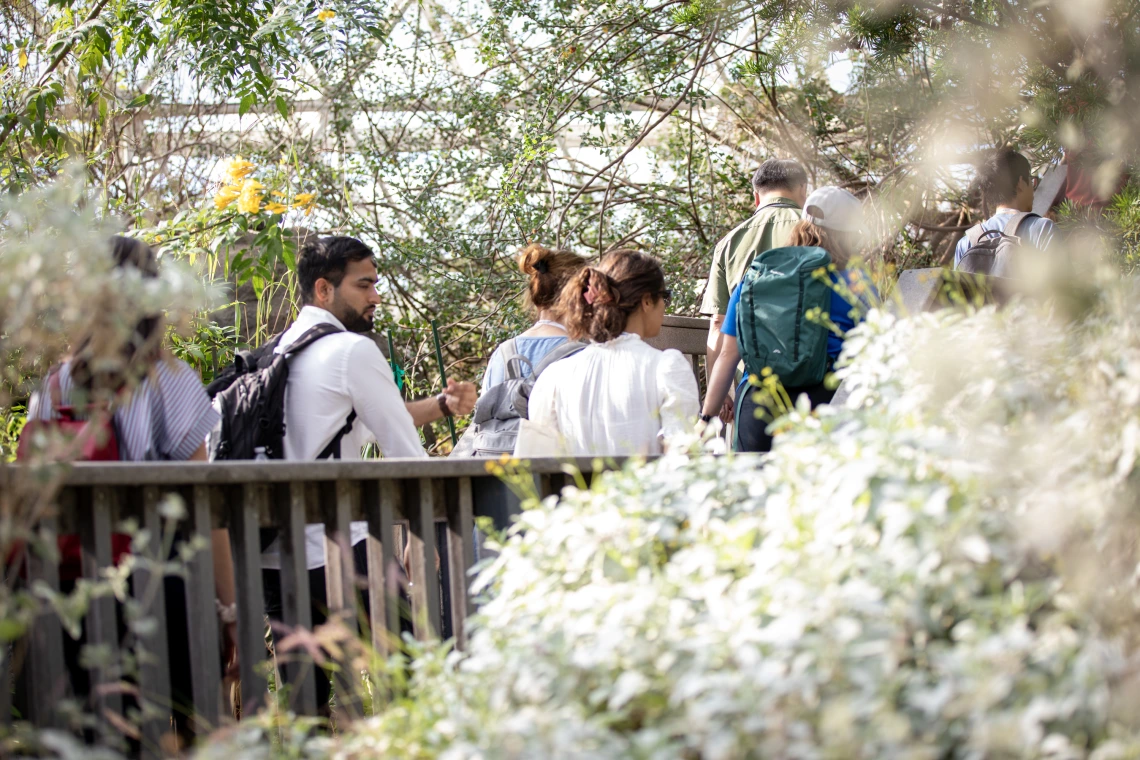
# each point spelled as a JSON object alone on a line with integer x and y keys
{"x": 688, "y": 335}
{"x": 424, "y": 506}
{"x": 433, "y": 502}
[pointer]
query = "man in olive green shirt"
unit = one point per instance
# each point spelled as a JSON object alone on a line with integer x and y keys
{"x": 780, "y": 189}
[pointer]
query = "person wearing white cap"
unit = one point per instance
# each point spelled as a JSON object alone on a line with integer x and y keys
{"x": 833, "y": 220}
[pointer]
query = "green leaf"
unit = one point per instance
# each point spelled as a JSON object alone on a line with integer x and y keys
{"x": 139, "y": 101}
{"x": 288, "y": 254}
{"x": 282, "y": 107}
{"x": 247, "y": 103}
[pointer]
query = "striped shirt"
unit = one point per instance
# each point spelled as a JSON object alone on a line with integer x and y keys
{"x": 166, "y": 418}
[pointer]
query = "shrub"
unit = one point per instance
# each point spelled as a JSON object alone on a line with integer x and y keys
{"x": 943, "y": 567}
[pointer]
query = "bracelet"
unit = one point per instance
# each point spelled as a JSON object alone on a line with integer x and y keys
{"x": 227, "y": 613}
{"x": 442, "y": 399}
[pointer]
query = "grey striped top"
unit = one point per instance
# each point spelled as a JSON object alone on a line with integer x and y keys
{"x": 166, "y": 418}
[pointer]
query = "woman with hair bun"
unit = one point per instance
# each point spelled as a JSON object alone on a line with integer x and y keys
{"x": 619, "y": 396}
{"x": 547, "y": 271}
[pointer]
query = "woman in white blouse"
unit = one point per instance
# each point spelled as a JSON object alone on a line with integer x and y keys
{"x": 619, "y": 396}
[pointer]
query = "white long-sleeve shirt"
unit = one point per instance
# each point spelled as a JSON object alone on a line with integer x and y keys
{"x": 327, "y": 380}
{"x": 332, "y": 377}
{"x": 618, "y": 398}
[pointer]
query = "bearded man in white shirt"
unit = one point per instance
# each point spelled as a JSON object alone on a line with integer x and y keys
{"x": 346, "y": 371}
{"x": 339, "y": 374}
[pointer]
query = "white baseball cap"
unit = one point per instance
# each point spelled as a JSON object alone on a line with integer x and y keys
{"x": 835, "y": 209}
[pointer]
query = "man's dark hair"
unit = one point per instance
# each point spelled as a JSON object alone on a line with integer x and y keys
{"x": 778, "y": 174}
{"x": 1000, "y": 173}
{"x": 327, "y": 258}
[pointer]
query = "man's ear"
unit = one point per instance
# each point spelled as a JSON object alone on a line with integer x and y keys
{"x": 322, "y": 290}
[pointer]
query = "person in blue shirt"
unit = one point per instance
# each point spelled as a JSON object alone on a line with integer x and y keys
{"x": 1007, "y": 184}
{"x": 832, "y": 219}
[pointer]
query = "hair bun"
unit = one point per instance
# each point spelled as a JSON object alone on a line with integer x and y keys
{"x": 532, "y": 259}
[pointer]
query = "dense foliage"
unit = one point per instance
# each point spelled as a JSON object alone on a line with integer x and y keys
{"x": 447, "y": 135}
{"x": 943, "y": 567}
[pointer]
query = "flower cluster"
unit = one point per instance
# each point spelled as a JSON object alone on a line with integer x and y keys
{"x": 944, "y": 565}
{"x": 250, "y": 193}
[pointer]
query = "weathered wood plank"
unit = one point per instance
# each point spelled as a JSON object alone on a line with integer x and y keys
{"x": 338, "y": 504}
{"x": 243, "y": 507}
{"x": 44, "y": 673}
{"x": 688, "y": 335}
{"x": 241, "y": 473}
{"x": 422, "y": 553}
{"x": 205, "y": 675}
{"x": 383, "y": 572}
{"x": 95, "y": 519}
{"x": 460, "y": 534}
{"x": 295, "y": 598}
{"x": 340, "y": 570}
{"x": 154, "y": 659}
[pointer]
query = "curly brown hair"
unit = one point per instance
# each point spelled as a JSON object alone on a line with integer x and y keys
{"x": 597, "y": 302}
{"x": 548, "y": 270}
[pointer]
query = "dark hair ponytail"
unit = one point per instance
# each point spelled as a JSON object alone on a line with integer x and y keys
{"x": 596, "y": 302}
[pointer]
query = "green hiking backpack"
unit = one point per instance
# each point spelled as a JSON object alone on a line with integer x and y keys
{"x": 777, "y": 292}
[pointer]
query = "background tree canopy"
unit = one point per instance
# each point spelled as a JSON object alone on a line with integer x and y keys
{"x": 449, "y": 134}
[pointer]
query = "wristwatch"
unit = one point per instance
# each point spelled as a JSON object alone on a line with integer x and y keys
{"x": 706, "y": 418}
{"x": 442, "y": 399}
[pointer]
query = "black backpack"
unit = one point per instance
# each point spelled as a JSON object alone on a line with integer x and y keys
{"x": 251, "y": 398}
{"x": 991, "y": 252}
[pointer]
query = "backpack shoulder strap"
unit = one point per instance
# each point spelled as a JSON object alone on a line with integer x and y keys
{"x": 974, "y": 235}
{"x": 569, "y": 348}
{"x": 311, "y": 336}
{"x": 1015, "y": 221}
{"x": 511, "y": 368}
{"x": 332, "y": 450}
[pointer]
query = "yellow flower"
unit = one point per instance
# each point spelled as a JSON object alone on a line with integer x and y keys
{"x": 277, "y": 194}
{"x": 22, "y": 60}
{"x": 276, "y": 208}
{"x": 249, "y": 202}
{"x": 305, "y": 201}
{"x": 326, "y": 14}
{"x": 237, "y": 169}
{"x": 226, "y": 195}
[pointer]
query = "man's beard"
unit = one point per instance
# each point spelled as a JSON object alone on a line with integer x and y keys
{"x": 354, "y": 321}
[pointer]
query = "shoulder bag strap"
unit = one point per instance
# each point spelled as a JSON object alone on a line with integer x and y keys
{"x": 311, "y": 336}
{"x": 567, "y": 349}
{"x": 1015, "y": 221}
{"x": 974, "y": 235}
{"x": 511, "y": 370}
{"x": 332, "y": 450}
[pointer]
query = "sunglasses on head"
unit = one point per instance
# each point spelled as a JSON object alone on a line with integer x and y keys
{"x": 667, "y": 296}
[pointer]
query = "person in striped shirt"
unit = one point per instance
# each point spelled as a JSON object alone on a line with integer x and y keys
{"x": 165, "y": 416}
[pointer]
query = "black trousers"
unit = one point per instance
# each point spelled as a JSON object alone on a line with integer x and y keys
{"x": 752, "y": 430}
{"x": 319, "y": 607}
